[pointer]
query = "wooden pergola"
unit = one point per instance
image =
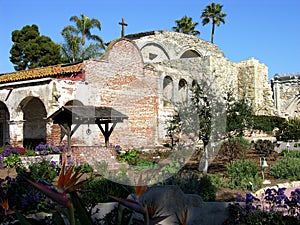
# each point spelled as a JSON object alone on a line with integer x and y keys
{"x": 105, "y": 117}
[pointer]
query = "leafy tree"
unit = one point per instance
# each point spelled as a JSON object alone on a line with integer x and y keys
{"x": 213, "y": 13}
{"x": 200, "y": 119}
{"x": 30, "y": 50}
{"x": 83, "y": 26}
{"x": 290, "y": 130}
{"x": 239, "y": 115}
{"x": 186, "y": 25}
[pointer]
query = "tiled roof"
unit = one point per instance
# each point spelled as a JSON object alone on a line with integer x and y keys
{"x": 49, "y": 71}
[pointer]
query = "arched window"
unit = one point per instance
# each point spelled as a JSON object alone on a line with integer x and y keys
{"x": 190, "y": 54}
{"x": 182, "y": 91}
{"x": 195, "y": 85}
{"x": 168, "y": 91}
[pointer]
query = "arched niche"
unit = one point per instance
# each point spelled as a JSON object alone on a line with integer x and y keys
{"x": 4, "y": 126}
{"x": 168, "y": 88}
{"x": 34, "y": 116}
{"x": 153, "y": 52}
{"x": 190, "y": 54}
{"x": 74, "y": 102}
{"x": 182, "y": 91}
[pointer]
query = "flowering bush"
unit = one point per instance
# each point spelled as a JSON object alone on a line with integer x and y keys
{"x": 47, "y": 148}
{"x": 12, "y": 150}
{"x": 274, "y": 205}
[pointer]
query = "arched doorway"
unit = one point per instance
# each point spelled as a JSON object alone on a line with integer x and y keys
{"x": 4, "y": 127}
{"x": 34, "y": 128}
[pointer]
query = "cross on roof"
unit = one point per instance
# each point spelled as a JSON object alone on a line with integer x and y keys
{"x": 123, "y": 27}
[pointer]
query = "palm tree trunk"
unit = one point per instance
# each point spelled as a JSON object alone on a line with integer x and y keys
{"x": 82, "y": 46}
{"x": 212, "y": 32}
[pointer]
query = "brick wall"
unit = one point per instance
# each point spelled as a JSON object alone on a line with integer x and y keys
{"x": 93, "y": 155}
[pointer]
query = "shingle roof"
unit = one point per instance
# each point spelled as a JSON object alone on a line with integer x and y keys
{"x": 86, "y": 114}
{"x": 49, "y": 71}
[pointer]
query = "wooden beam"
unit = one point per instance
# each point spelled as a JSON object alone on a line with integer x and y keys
{"x": 106, "y": 131}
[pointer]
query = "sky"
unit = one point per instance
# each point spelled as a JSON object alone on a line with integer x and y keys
{"x": 268, "y": 30}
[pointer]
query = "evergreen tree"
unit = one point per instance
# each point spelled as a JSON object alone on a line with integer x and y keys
{"x": 30, "y": 50}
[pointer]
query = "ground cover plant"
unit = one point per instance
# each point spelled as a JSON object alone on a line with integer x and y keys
{"x": 274, "y": 207}
{"x": 224, "y": 179}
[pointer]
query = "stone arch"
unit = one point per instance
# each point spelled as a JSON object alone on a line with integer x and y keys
{"x": 74, "y": 102}
{"x": 4, "y": 126}
{"x": 122, "y": 44}
{"x": 195, "y": 84}
{"x": 154, "y": 52}
{"x": 182, "y": 90}
{"x": 191, "y": 53}
{"x": 294, "y": 109}
{"x": 168, "y": 93}
{"x": 34, "y": 126}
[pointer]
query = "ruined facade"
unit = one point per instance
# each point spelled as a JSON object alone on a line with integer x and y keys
{"x": 142, "y": 76}
{"x": 286, "y": 92}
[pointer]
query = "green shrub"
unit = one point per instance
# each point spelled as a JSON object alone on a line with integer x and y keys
{"x": 171, "y": 168}
{"x": 243, "y": 175}
{"x": 129, "y": 156}
{"x": 144, "y": 165}
{"x": 286, "y": 168}
{"x": 42, "y": 168}
{"x": 291, "y": 154}
{"x": 297, "y": 145}
{"x": 84, "y": 168}
{"x": 233, "y": 148}
{"x": 12, "y": 160}
{"x": 218, "y": 180}
{"x": 98, "y": 189}
{"x": 191, "y": 183}
{"x": 267, "y": 123}
{"x": 30, "y": 152}
{"x": 264, "y": 147}
{"x": 290, "y": 130}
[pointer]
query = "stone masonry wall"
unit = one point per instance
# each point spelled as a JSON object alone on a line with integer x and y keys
{"x": 253, "y": 81}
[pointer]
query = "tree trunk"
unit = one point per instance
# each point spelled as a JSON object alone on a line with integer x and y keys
{"x": 205, "y": 168}
{"x": 212, "y": 32}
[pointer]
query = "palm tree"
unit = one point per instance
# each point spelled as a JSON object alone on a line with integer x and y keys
{"x": 213, "y": 13}
{"x": 187, "y": 26}
{"x": 83, "y": 28}
{"x": 71, "y": 48}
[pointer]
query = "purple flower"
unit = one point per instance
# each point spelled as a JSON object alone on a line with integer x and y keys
{"x": 47, "y": 148}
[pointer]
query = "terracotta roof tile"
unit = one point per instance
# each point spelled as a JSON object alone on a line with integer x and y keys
{"x": 49, "y": 71}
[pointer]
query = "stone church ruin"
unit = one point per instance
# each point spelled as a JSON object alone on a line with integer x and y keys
{"x": 140, "y": 76}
